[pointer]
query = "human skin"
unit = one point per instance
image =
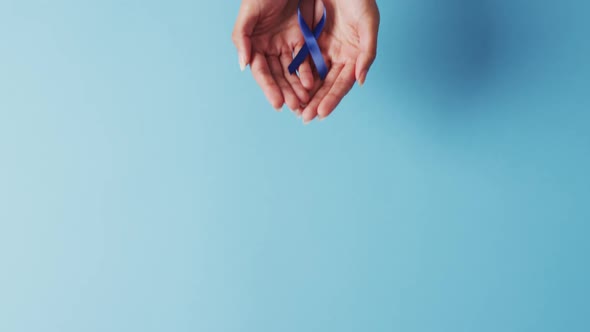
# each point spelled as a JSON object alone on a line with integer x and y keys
{"x": 267, "y": 35}
{"x": 349, "y": 46}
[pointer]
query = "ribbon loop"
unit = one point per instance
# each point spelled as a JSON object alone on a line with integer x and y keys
{"x": 311, "y": 46}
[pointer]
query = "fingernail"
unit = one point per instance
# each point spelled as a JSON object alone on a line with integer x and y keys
{"x": 242, "y": 63}
{"x": 279, "y": 109}
{"x": 306, "y": 121}
{"x": 321, "y": 118}
{"x": 362, "y": 78}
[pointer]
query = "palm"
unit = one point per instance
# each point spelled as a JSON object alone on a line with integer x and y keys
{"x": 347, "y": 44}
{"x": 276, "y": 30}
{"x": 274, "y": 38}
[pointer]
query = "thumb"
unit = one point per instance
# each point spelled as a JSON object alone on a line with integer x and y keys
{"x": 243, "y": 28}
{"x": 368, "y": 30}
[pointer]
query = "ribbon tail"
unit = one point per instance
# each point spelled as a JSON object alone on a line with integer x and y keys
{"x": 298, "y": 60}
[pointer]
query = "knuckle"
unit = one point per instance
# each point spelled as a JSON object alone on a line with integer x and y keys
{"x": 373, "y": 55}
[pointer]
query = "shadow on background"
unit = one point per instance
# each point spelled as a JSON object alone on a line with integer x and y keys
{"x": 448, "y": 54}
{"x": 440, "y": 49}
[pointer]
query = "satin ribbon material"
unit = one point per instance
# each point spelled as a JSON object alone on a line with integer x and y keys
{"x": 311, "y": 47}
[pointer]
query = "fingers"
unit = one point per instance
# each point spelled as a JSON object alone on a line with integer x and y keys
{"x": 243, "y": 28}
{"x": 341, "y": 87}
{"x": 368, "y": 30}
{"x": 305, "y": 73}
{"x": 323, "y": 88}
{"x": 296, "y": 84}
{"x": 263, "y": 76}
{"x": 279, "y": 76}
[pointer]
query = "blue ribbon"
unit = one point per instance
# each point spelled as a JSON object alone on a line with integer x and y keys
{"x": 311, "y": 46}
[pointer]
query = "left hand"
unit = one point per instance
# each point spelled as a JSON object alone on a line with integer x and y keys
{"x": 349, "y": 47}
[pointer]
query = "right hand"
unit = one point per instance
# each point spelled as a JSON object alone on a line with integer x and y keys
{"x": 267, "y": 34}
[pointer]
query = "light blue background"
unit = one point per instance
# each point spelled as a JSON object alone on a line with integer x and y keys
{"x": 146, "y": 185}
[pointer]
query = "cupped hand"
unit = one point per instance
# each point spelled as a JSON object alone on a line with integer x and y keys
{"x": 266, "y": 35}
{"x": 349, "y": 47}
